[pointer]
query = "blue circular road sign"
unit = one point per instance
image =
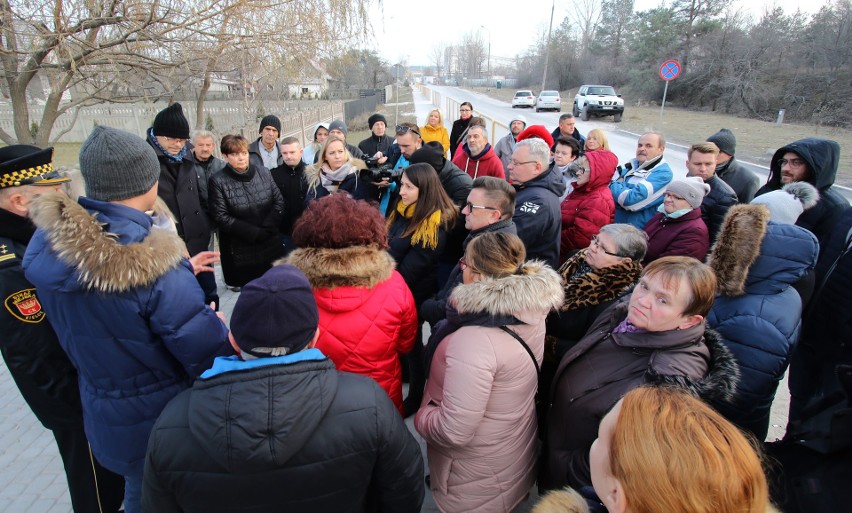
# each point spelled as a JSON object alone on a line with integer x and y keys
{"x": 670, "y": 70}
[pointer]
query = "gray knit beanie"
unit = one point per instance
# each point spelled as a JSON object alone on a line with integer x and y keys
{"x": 338, "y": 125}
{"x": 786, "y": 205}
{"x": 692, "y": 189}
{"x": 117, "y": 165}
{"x": 725, "y": 140}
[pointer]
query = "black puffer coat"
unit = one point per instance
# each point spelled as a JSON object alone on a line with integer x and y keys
{"x": 716, "y": 204}
{"x": 295, "y": 437}
{"x": 247, "y": 208}
{"x": 416, "y": 263}
{"x": 822, "y": 157}
{"x": 178, "y": 188}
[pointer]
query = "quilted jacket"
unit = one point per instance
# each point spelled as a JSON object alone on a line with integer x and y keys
{"x": 589, "y": 206}
{"x": 129, "y": 313}
{"x": 367, "y": 313}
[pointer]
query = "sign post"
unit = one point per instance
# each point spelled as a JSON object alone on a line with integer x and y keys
{"x": 669, "y": 71}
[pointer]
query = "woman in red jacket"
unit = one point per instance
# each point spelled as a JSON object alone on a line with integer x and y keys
{"x": 367, "y": 313}
{"x": 590, "y": 204}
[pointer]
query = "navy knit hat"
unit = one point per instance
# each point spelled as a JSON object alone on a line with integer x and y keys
{"x": 170, "y": 122}
{"x": 725, "y": 140}
{"x": 270, "y": 120}
{"x": 375, "y": 118}
{"x": 275, "y": 314}
{"x": 117, "y": 165}
{"x": 338, "y": 125}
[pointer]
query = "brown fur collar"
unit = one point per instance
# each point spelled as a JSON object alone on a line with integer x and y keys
{"x": 102, "y": 263}
{"x": 562, "y": 501}
{"x": 536, "y": 288}
{"x": 738, "y": 246}
{"x": 596, "y": 287}
{"x": 356, "y": 266}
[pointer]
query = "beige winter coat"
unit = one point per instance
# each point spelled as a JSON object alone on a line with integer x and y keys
{"x": 478, "y": 413}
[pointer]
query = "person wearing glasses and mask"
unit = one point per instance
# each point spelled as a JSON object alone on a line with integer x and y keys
{"x": 460, "y": 125}
{"x": 678, "y": 228}
{"x": 590, "y": 204}
{"x": 488, "y": 209}
{"x": 814, "y": 161}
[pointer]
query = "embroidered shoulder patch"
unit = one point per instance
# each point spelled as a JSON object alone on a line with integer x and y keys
{"x": 529, "y": 207}
{"x": 24, "y": 306}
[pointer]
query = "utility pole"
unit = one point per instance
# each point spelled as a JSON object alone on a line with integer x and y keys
{"x": 489, "y": 53}
{"x": 547, "y": 47}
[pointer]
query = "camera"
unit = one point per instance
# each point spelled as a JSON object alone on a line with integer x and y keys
{"x": 377, "y": 174}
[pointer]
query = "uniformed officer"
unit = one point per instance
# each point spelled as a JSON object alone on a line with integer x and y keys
{"x": 37, "y": 363}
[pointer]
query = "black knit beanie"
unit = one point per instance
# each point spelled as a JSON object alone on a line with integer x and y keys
{"x": 725, "y": 140}
{"x": 270, "y": 120}
{"x": 431, "y": 153}
{"x": 170, "y": 122}
{"x": 375, "y": 118}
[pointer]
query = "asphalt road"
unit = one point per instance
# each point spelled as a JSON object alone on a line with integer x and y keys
{"x": 621, "y": 142}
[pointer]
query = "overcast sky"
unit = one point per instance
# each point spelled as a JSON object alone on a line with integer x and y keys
{"x": 406, "y": 30}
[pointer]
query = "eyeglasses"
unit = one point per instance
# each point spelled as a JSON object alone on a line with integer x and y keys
{"x": 577, "y": 169}
{"x": 597, "y": 243}
{"x": 404, "y": 129}
{"x": 792, "y": 162}
{"x": 470, "y": 206}
{"x": 672, "y": 196}
{"x": 515, "y": 163}
{"x": 465, "y": 110}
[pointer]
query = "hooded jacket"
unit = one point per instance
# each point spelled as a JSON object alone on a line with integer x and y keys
{"x": 478, "y": 411}
{"x": 822, "y": 157}
{"x": 288, "y": 433}
{"x": 504, "y": 149}
{"x": 486, "y": 163}
{"x": 589, "y": 206}
{"x": 684, "y": 236}
{"x": 594, "y": 374}
{"x": 178, "y": 187}
{"x": 757, "y": 311}
{"x": 638, "y": 192}
{"x": 367, "y": 314}
{"x": 129, "y": 313}
{"x": 538, "y": 217}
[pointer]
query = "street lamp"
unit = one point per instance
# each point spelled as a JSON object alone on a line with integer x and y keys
{"x": 489, "y": 53}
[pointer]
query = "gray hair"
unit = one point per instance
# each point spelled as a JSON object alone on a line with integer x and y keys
{"x": 660, "y": 137}
{"x": 203, "y": 134}
{"x": 538, "y": 150}
{"x": 477, "y": 127}
{"x": 630, "y": 242}
{"x": 565, "y": 115}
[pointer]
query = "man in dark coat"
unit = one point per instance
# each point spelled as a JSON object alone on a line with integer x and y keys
{"x": 41, "y": 369}
{"x": 537, "y": 213}
{"x": 701, "y": 162}
{"x": 277, "y": 427}
{"x": 206, "y": 164}
{"x": 489, "y": 207}
{"x": 743, "y": 181}
{"x": 264, "y": 152}
{"x": 179, "y": 189}
{"x": 290, "y": 179}
{"x": 815, "y": 161}
{"x": 568, "y": 128}
{"x": 378, "y": 145}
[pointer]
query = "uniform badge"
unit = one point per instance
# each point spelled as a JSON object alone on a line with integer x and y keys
{"x": 24, "y": 306}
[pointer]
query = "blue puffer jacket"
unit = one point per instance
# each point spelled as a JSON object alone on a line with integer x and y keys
{"x": 757, "y": 311}
{"x": 129, "y": 313}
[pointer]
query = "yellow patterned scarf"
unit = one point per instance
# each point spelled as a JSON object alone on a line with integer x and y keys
{"x": 427, "y": 233}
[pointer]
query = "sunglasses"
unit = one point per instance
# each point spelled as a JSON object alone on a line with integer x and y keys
{"x": 404, "y": 129}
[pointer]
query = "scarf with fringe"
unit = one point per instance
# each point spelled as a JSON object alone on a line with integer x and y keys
{"x": 427, "y": 233}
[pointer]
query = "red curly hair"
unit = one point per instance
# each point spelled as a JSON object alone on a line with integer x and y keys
{"x": 338, "y": 221}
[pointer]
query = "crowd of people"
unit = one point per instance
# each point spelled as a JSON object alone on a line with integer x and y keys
{"x": 602, "y": 330}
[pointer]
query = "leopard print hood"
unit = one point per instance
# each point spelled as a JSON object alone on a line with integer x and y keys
{"x": 595, "y": 287}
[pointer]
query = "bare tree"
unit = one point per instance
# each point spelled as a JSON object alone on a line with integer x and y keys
{"x": 437, "y": 56}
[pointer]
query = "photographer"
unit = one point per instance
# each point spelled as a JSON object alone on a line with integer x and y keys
{"x": 378, "y": 145}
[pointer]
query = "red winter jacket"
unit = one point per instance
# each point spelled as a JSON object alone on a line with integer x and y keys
{"x": 486, "y": 163}
{"x": 589, "y": 206}
{"x": 367, "y": 314}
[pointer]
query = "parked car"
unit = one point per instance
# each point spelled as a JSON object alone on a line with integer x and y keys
{"x": 597, "y": 101}
{"x": 548, "y": 100}
{"x": 523, "y": 98}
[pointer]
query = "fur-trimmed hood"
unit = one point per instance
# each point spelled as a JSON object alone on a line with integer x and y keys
{"x": 356, "y": 266}
{"x": 112, "y": 250}
{"x": 536, "y": 288}
{"x": 757, "y": 256}
{"x": 723, "y": 373}
{"x": 566, "y": 500}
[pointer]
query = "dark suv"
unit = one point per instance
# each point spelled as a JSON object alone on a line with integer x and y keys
{"x": 598, "y": 100}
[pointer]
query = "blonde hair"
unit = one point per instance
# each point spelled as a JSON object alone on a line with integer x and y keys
{"x": 325, "y": 146}
{"x": 496, "y": 254}
{"x": 440, "y": 117}
{"x": 673, "y": 453}
{"x": 600, "y": 135}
